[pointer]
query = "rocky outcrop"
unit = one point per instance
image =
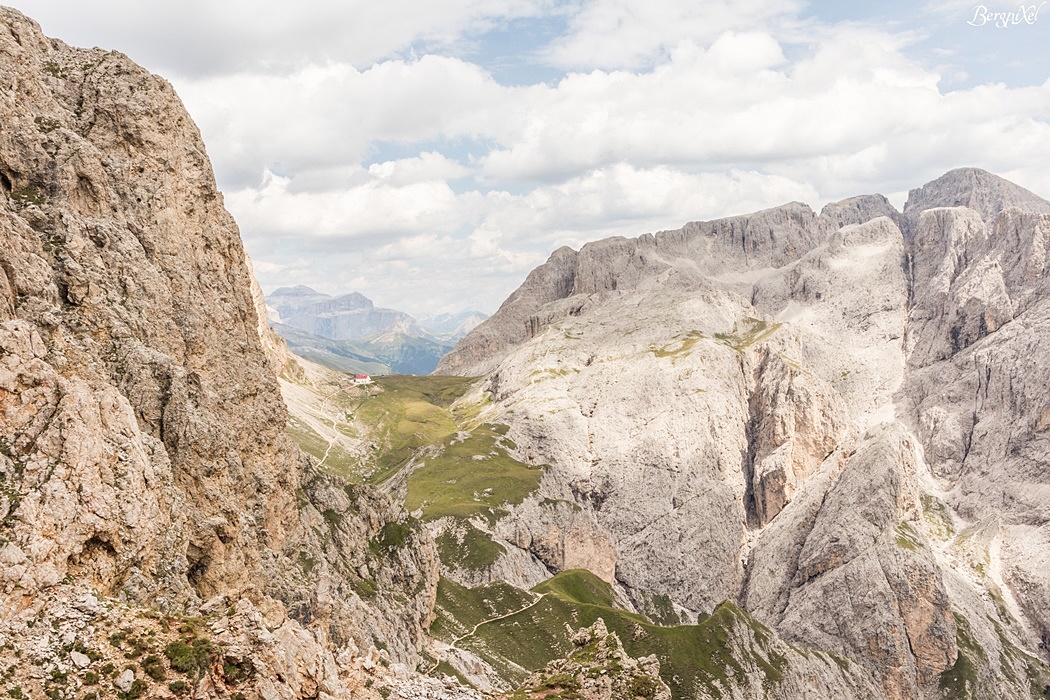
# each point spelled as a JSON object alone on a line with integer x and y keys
{"x": 131, "y": 343}
{"x": 600, "y": 669}
{"x": 976, "y": 395}
{"x": 142, "y": 437}
{"x": 274, "y": 346}
{"x": 797, "y": 421}
{"x": 864, "y": 546}
{"x": 516, "y": 320}
{"x": 971, "y": 279}
{"x": 746, "y": 661}
{"x": 974, "y": 189}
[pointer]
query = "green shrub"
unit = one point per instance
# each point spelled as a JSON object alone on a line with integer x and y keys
{"x": 54, "y": 70}
{"x": 642, "y": 686}
{"x": 179, "y": 687}
{"x": 153, "y": 667}
{"x": 189, "y": 658}
{"x": 235, "y": 671}
{"x": 138, "y": 687}
{"x": 46, "y": 124}
{"x": 138, "y": 646}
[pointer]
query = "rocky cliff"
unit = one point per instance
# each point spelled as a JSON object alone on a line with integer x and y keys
{"x": 837, "y": 421}
{"x": 143, "y": 451}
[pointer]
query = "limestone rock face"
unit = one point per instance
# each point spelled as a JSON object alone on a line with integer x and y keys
{"x": 142, "y": 437}
{"x": 838, "y": 421}
{"x": 797, "y": 422}
{"x": 141, "y": 317}
{"x": 864, "y": 546}
{"x": 976, "y": 394}
{"x": 514, "y": 322}
{"x": 274, "y": 346}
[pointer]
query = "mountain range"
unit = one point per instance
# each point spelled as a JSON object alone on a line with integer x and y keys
{"x": 784, "y": 454}
{"x": 350, "y": 334}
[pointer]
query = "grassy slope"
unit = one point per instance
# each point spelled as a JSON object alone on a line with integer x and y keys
{"x": 463, "y": 469}
{"x": 471, "y": 475}
{"x": 460, "y": 608}
{"x": 691, "y": 656}
{"x": 466, "y": 547}
{"x": 398, "y": 414}
{"x": 408, "y": 414}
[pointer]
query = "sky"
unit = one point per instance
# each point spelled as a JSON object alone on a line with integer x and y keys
{"x": 430, "y": 153}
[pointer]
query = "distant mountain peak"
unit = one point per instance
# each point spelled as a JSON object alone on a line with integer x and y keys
{"x": 977, "y": 189}
{"x": 334, "y": 330}
{"x": 297, "y": 290}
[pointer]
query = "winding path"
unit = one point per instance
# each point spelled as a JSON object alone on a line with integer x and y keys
{"x": 322, "y": 409}
{"x": 474, "y": 629}
{"x": 458, "y": 639}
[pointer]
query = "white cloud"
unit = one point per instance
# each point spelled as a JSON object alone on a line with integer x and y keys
{"x": 713, "y": 130}
{"x": 736, "y": 102}
{"x": 372, "y": 209}
{"x": 428, "y": 166}
{"x": 331, "y": 115}
{"x": 633, "y": 35}
{"x": 203, "y": 37}
{"x": 354, "y": 157}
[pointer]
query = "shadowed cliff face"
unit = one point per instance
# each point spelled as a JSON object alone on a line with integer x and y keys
{"x": 838, "y": 421}
{"x": 142, "y": 436}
